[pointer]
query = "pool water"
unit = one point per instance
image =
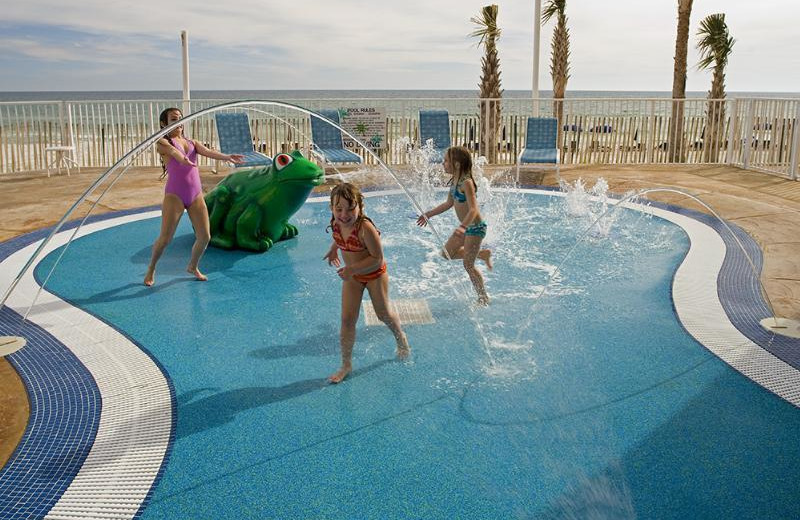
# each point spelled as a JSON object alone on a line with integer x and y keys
{"x": 577, "y": 393}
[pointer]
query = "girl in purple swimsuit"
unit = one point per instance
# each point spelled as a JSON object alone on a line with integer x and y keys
{"x": 183, "y": 191}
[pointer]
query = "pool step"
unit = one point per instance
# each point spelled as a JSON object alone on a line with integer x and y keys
{"x": 411, "y": 312}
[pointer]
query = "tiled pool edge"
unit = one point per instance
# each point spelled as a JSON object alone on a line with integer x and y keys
{"x": 695, "y": 311}
{"x": 128, "y": 444}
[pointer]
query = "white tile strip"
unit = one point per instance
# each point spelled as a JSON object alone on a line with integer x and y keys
{"x": 697, "y": 303}
{"x": 136, "y": 417}
{"x": 694, "y": 292}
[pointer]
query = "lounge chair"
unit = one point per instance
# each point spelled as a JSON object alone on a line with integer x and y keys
{"x": 540, "y": 144}
{"x": 435, "y": 125}
{"x": 327, "y": 142}
{"x": 233, "y": 130}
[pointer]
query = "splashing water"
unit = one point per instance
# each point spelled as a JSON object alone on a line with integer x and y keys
{"x": 589, "y": 204}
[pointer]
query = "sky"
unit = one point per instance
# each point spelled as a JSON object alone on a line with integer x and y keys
{"x": 100, "y": 45}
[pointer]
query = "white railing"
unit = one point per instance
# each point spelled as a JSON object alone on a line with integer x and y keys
{"x": 752, "y": 133}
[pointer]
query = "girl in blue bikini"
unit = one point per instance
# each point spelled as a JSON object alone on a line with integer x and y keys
{"x": 465, "y": 242}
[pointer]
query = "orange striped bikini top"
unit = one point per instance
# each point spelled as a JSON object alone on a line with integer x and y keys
{"x": 353, "y": 243}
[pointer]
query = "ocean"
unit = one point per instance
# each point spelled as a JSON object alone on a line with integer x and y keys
{"x": 137, "y": 95}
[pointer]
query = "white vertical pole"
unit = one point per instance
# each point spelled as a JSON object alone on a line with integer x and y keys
{"x": 186, "y": 94}
{"x": 795, "y": 144}
{"x": 537, "y": 25}
{"x": 748, "y": 133}
{"x": 733, "y": 116}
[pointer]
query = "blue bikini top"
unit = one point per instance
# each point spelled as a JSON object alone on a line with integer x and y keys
{"x": 458, "y": 196}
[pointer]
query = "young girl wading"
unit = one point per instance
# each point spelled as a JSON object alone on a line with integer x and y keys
{"x": 465, "y": 242}
{"x": 364, "y": 268}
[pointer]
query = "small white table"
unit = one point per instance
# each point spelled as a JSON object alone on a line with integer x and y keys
{"x": 62, "y": 158}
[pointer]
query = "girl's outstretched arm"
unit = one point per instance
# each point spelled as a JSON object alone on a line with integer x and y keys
{"x": 422, "y": 220}
{"x": 332, "y": 256}
{"x": 213, "y": 154}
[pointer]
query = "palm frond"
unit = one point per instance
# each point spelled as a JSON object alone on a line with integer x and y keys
{"x": 715, "y": 42}
{"x": 486, "y": 23}
{"x": 553, "y": 7}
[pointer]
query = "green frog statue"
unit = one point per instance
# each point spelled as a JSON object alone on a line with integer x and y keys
{"x": 250, "y": 209}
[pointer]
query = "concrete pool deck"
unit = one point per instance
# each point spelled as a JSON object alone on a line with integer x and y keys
{"x": 763, "y": 205}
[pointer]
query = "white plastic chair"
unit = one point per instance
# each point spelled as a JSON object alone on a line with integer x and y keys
{"x": 63, "y": 154}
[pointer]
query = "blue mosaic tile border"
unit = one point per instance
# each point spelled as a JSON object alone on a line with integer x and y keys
{"x": 739, "y": 289}
{"x": 65, "y": 414}
{"x": 65, "y": 407}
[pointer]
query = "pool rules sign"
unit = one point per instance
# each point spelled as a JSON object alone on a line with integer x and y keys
{"x": 367, "y": 124}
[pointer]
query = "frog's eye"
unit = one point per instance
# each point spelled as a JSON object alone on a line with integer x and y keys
{"x": 282, "y": 161}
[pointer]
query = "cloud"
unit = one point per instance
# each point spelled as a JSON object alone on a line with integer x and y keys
{"x": 627, "y": 44}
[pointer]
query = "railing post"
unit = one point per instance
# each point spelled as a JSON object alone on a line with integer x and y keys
{"x": 795, "y": 143}
{"x": 61, "y": 123}
{"x": 733, "y": 116}
{"x": 748, "y": 132}
{"x": 648, "y": 156}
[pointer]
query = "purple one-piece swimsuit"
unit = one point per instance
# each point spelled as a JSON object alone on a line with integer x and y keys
{"x": 184, "y": 180}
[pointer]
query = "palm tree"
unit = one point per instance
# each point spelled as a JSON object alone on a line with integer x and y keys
{"x": 490, "y": 91}
{"x": 559, "y": 59}
{"x": 675, "y": 136}
{"x": 715, "y": 45}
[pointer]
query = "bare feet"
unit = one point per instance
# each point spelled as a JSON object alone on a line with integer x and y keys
{"x": 403, "y": 349}
{"x": 486, "y": 256}
{"x": 483, "y": 300}
{"x": 197, "y": 274}
{"x": 339, "y": 376}
{"x": 149, "y": 277}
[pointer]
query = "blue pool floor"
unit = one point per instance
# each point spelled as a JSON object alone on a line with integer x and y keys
{"x": 626, "y": 418}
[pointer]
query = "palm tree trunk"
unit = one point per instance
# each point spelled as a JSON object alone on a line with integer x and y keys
{"x": 490, "y": 125}
{"x": 715, "y": 119}
{"x": 675, "y": 137}
{"x": 490, "y": 91}
{"x": 490, "y": 109}
{"x": 559, "y": 70}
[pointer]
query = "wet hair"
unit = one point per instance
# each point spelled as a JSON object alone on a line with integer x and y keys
{"x": 351, "y": 194}
{"x": 163, "y": 119}
{"x": 460, "y": 155}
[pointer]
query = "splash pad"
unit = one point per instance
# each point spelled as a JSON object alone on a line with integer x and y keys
{"x": 472, "y": 386}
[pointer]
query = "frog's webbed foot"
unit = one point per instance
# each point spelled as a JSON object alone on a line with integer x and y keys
{"x": 265, "y": 244}
{"x": 289, "y": 231}
{"x": 253, "y": 241}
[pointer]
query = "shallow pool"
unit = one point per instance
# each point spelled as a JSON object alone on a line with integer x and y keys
{"x": 577, "y": 393}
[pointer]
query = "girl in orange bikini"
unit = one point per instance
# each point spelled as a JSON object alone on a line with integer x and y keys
{"x": 364, "y": 267}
